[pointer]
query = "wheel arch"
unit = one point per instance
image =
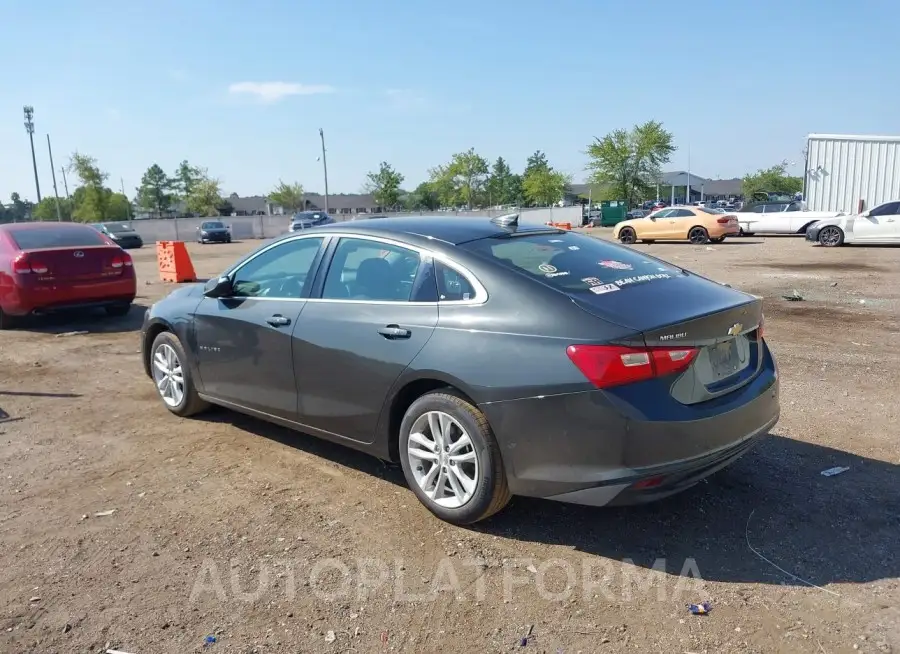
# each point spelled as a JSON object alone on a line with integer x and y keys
{"x": 692, "y": 228}
{"x": 156, "y": 327}
{"x": 406, "y": 391}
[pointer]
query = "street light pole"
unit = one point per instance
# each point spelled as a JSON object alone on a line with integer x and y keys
{"x": 324, "y": 166}
{"x": 62, "y": 169}
{"x": 55, "y": 191}
{"x": 29, "y": 127}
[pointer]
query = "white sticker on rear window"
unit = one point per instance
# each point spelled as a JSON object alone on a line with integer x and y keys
{"x": 604, "y": 288}
{"x": 625, "y": 281}
{"x": 547, "y": 268}
{"x": 616, "y": 265}
{"x": 555, "y": 240}
{"x": 574, "y": 247}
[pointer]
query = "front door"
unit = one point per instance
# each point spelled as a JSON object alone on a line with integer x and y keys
{"x": 882, "y": 225}
{"x": 352, "y": 344}
{"x": 655, "y": 227}
{"x": 244, "y": 341}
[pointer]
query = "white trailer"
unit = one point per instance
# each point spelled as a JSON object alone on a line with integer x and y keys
{"x": 851, "y": 174}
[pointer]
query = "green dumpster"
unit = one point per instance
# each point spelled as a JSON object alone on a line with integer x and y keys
{"x": 612, "y": 212}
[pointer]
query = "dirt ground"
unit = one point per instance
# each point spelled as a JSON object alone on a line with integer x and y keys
{"x": 228, "y": 528}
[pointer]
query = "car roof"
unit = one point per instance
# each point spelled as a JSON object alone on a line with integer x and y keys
{"x": 17, "y": 227}
{"x": 449, "y": 229}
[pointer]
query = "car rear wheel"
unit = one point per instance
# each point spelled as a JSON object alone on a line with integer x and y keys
{"x": 118, "y": 310}
{"x": 451, "y": 459}
{"x": 627, "y": 235}
{"x": 698, "y": 235}
{"x": 831, "y": 236}
{"x": 168, "y": 365}
{"x": 7, "y": 321}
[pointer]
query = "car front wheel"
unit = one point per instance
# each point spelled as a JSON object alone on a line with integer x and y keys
{"x": 831, "y": 236}
{"x": 451, "y": 459}
{"x": 627, "y": 235}
{"x": 172, "y": 376}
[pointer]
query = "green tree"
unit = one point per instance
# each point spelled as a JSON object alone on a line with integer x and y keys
{"x": 185, "y": 178}
{"x": 118, "y": 207}
{"x": 771, "y": 180}
{"x": 205, "y": 197}
{"x": 288, "y": 196}
{"x": 384, "y": 185}
{"x": 155, "y": 191}
{"x": 544, "y": 186}
{"x": 46, "y": 209}
{"x": 629, "y": 162}
{"x": 19, "y": 209}
{"x": 424, "y": 197}
{"x": 537, "y": 161}
{"x": 92, "y": 197}
{"x": 503, "y": 187}
{"x": 466, "y": 173}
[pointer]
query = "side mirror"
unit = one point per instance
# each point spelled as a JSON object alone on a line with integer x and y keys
{"x": 218, "y": 287}
{"x": 866, "y": 214}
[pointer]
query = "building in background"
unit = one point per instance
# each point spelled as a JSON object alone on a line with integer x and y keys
{"x": 701, "y": 188}
{"x": 851, "y": 173}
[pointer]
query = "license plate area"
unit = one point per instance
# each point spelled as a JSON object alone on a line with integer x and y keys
{"x": 724, "y": 360}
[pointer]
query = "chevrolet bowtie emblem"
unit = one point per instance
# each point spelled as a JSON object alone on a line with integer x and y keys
{"x": 735, "y": 329}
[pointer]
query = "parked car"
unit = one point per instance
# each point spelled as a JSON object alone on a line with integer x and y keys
{"x": 779, "y": 217}
{"x": 695, "y": 224}
{"x": 637, "y": 213}
{"x": 489, "y": 358}
{"x": 307, "y": 219}
{"x": 213, "y": 231}
{"x": 50, "y": 267}
{"x": 879, "y": 226}
{"x": 122, "y": 234}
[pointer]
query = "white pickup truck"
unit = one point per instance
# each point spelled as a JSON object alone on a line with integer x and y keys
{"x": 779, "y": 217}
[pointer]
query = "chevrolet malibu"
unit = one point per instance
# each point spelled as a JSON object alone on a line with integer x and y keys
{"x": 488, "y": 358}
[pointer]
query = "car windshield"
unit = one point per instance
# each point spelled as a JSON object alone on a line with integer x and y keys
{"x": 212, "y": 225}
{"x": 573, "y": 263}
{"x": 309, "y": 217}
{"x": 118, "y": 229}
{"x": 58, "y": 237}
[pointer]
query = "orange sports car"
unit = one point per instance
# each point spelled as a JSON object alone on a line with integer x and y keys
{"x": 698, "y": 225}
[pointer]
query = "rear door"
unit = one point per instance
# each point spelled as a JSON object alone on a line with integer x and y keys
{"x": 243, "y": 342}
{"x": 376, "y": 310}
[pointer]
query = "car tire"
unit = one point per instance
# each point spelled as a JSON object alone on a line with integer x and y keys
{"x": 627, "y": 235}
{"x": 118, "y": 310}
{"x": 167, "y": 354}
{"x": 7, "y": 321}
{"x": 831, "y": 236}
{"x": 698, "y": 235}
{"x": 483, "y": 466}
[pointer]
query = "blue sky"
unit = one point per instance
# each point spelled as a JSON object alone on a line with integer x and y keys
{"x": 242, "y": 87}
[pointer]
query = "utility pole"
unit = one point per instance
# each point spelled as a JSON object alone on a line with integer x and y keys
{"x": 687, "y": 190}
{"x": 29, "y": 127}
{"x": 324, "y": 166}
{"x": 55, "y": 191}
{"x": 62, "y": 169}
{"x": 128, "y": 206}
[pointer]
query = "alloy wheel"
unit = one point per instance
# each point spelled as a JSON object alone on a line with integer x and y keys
{"x": 443, "y": 460}
{"x": 168, "y": 375}
{"x": 627, "y": 235}
{"x": 698, "y": 236}
{"x": 830, "y": 236}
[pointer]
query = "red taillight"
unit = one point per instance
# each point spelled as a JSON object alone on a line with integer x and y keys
{"x": 23, "y": 264}
{"x": 120, "y": 261}
{"x": 614, "y": 365}
{"x": 723, "y": 221}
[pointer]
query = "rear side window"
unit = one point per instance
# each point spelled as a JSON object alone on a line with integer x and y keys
{"x": 452, "y": 286}
{"x": 574, "y": 263}
{"x": 64, "y": 236}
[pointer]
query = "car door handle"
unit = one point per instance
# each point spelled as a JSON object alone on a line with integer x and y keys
{"x": 278, "y": 320}
{"x": 392, "y": 332}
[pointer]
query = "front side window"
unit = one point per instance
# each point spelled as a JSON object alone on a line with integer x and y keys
{"x": 370, "y": 270}
{"x": 280, "y": 272}
{"x": 887, "y": 209}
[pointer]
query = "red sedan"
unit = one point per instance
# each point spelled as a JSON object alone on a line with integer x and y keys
{"x": 49, "y": 267}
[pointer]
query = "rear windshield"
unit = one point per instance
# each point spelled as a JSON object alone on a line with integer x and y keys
{"x": 58, "y": 237}
{"x": 574, "y": 263}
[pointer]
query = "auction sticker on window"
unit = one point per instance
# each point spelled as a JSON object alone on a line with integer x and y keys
{"x": 603, "y": 288}
{"x": 627, "y": 281}
{"x": 616, "y": 265}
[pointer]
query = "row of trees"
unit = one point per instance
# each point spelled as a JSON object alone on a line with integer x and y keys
{"x": 190, "y": 186}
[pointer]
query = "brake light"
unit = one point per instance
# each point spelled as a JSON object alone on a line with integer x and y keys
{"x": 23, "y": 265}
{"x": 121, "y": 260}
{"x": 614, "y": 365}
{"x": 723, "y": 221}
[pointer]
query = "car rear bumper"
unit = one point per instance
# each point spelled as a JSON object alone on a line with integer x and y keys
{"x": 593, "y": 448}
{"x": 68, "y": 296}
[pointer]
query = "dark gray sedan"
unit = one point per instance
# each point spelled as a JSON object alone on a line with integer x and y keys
{"x": 213, "y": 231}
{"x": 489, "y": 358}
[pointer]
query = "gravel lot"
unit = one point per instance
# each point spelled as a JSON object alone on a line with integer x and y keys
{"x": 272, "y": 541}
